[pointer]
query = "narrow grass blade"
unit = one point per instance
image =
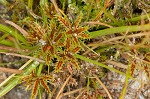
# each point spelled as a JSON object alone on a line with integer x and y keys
{"x": 11, "y": 31}
{"x": 120, "y": 29}
{"x": 7, "y": 43}
{"x": 126, "y": 83}
{"x": 100, "y": 64}
{"x": 14, "y": 81}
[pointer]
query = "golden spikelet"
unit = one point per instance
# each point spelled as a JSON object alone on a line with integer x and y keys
{"x": 59, "y": 66}
{"x": 45, "y": 86}
{"x": 35, "y": 89}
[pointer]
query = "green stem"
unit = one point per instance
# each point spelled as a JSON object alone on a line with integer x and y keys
{"x": 39, "y": 69}
{"x": 135, "y": 19}
{"x": 120, "y": 29}
{"x": 126, "y": 83}
{"x": 8, "y": 43}
{"x": 100, "y": 64}
{"x": 14, "y": 81}
{"x": 11, "y": 31}
{"x": 4, "y": 36}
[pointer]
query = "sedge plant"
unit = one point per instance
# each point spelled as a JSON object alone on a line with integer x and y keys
{"x": 59, "y": 37}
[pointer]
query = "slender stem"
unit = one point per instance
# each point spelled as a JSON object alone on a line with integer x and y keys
{"x": 55, "y": 5}
{"x": 25, "y": 33}
{"x": 70, "y": 92}
{"x": 4, "y": 82}
{"x": 125, "y": 84}
{"x": 120, "y": 29}
{"x": 97, "y": 63}
{"x": 103, "y": 86}
{"x": 23, "y": 56}
{"x": 61, "y": 90}
{"x": 13, "y": 82}
{"x": 3, "y": 69}
{"x": 78, "y": 97}
{"x": 96, "y": 44}
{"x": 11, "y": 49}
{"x": 40, "y": 69}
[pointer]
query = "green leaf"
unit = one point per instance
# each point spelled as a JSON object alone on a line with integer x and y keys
{"x": 7, "y": 29}
{"x": 14, "y": 81}
{"x": 120, "y": 29}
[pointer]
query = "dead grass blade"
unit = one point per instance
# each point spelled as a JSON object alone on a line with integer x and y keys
{"x": 23, "y": 56}
{"x": 70, "y": 92}
{"x": 15, "y": 71}
{"x": 98, "y": 23}
{"x": 61, "y": 89}
{"x": 103, "y": 86}
{"x": 25, "y": 33}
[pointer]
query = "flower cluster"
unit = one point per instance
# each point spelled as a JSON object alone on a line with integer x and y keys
{"x": 60, "y": 39}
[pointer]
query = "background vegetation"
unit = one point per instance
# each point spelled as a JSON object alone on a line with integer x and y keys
{"x": 66, "y": 48}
